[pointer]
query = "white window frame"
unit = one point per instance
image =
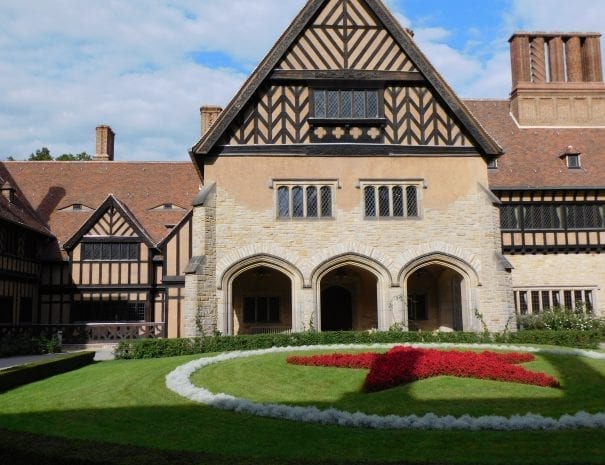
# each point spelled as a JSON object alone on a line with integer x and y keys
{"x": 556, "y": 297}
{"x": 418, "y": 184}
{"x": 333, "y": 184}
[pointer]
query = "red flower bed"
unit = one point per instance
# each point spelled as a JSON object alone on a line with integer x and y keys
{"x": 406, "y": 364}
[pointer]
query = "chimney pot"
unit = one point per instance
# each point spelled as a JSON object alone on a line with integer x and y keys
{"x": 105, "y": 144}
{"x": 210, "y": 114}
{"x": 8, "y": 192}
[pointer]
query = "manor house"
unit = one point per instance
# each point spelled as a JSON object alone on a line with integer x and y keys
{"x": 345, "y": 187}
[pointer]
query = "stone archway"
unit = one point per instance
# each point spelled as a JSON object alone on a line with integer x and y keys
{"x": 434, "y": 299}
{"x": 349, "y": 298}
{"x": 439, "y": 294}
{"x": 259, "y": 296}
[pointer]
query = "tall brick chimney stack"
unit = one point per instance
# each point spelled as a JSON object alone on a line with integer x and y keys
{"x": 557, "y": 79}
{"x": 105, "y": 144}
{"x": 209, "y": 115}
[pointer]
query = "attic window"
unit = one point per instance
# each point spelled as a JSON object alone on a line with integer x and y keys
{"x": 572, "y": 158}
{"x": 165, "y": 207}
{"x": 77, "y": 207}
{"x": 492, "y": 164}
{"x": 573, "y": 161}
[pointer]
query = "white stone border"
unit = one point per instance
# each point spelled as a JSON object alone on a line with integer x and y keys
{"x": 179, "y": 382}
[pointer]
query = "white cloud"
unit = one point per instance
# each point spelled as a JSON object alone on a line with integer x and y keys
{"x": 559, "y": 15}
{"x": 66, "y": 68}
{"x": 68, "y": 65}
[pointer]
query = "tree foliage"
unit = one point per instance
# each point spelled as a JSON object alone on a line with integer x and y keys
{"x": 44, "y": 154}
{"x": 71, "y": 157}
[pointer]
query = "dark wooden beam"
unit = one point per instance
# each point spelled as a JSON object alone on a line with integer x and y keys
{"x": 344, "y": 150}
{"x": 346, "y": 75}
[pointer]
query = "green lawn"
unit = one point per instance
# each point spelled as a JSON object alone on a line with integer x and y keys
{"x": 108, "y": 404}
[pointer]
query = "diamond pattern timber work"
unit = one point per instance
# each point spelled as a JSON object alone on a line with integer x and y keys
{"x": 345, "y": 35}
{"x": 415, "y": 117}
{"x": 112, "y": 224}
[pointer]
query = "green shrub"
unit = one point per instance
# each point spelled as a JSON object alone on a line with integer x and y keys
{"x": 558, "y": 318}
{"x": 156, "y": 348}
{"x": 565, "y": 338}
{"x": 20, "y": 375}
{"x": 11, "y": 346}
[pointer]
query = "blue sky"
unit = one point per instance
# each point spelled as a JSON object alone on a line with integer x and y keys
{"x": 146, "y": 66}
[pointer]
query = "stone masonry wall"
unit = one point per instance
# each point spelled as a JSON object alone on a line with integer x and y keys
{"x": 560, "y": 271}
{"x": 467, "y": 229}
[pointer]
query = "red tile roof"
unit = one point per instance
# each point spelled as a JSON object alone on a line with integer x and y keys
{"x": 50, "y": 187}
{"x": 532, "y": 156}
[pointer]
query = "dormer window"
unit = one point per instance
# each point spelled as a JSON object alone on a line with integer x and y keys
{"x": 76, "y": 207}
{"x": 572, "y": 158}
{"x": 573, "y": 161}
{"x": 167, "y": 207}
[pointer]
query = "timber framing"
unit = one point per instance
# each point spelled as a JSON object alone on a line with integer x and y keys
{"x": 344, "y": 150}
{"x": 487, "y": 146}
{"x": 110, "y": 202}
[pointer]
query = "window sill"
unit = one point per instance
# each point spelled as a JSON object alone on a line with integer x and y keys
{"x": 347, "y": 121}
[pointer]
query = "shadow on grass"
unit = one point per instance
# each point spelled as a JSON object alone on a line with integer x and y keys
{"x": 586, "y": 390}
{"x": 191, "y": 434}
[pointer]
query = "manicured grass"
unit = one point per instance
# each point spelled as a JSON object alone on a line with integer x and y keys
{"x": 269, "y": 379}
{"x": 126, "y": 403}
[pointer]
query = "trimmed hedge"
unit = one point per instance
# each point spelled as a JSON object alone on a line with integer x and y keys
{"x": 25, "y": 374}
{"x": 157, "y": 348}
{"x": 11, "y": 346}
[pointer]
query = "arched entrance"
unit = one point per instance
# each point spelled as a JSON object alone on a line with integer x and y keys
{"x": 435, "y": 299}
{"x": 348, "y": 299}
{"x": 261, "y": 298}
{"x": 337, "y": 309}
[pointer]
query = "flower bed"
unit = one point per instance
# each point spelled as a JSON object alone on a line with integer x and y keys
{"x": 178, "y": 381}
{"x": 406, "y": 364}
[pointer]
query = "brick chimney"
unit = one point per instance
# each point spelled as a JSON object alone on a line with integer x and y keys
{"x": 105, "y": 143}
{"x": 557, "y": 79}
{"x": 8, "y": 191}
{"x": 209, "y": 115}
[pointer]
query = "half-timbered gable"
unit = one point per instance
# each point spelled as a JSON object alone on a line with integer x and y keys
{"x": 346, "y": 73}
{"x": 333, "y": 199}
{"x": 108, "y": 259}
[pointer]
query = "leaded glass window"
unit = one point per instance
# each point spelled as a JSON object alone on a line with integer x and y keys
{"x": 346, "y": 103}
{"x": 298, "y": 209}
{"x": 312, "y": 201}
{"x": 397, "y": 201}
{"x": 110, "y": 251}
{"x": 326, "y": 201}
{"x": 304, "y": 201}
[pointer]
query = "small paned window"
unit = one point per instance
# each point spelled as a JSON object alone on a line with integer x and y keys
{"x": 261, "y": 310}
{"x": 492, "y": 164}
{"x": 108, "y": 311}
{"x": 110, "y": 251}
{"x": 535, "y": 301}
{"x": 391, "y": 201}
{"x": 346, "y": 103}
{"x": 542, "y": 217}
{"x": 554, "y": 216}
{"x": 304, "y": 201}
{"x": 573, "y": 161}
